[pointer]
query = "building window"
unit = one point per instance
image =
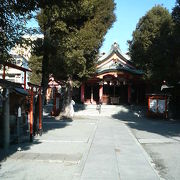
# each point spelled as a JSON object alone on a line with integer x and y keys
{"x": 18, "y": 62}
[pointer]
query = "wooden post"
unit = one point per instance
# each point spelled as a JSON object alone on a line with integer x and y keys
{"x": 129, "y": 93}
{"x": 18, "y": 124}
{"x": 24, "y": 80}
{"x": 82, "y": 93}
{"x": 40, "y": 110}
{"x": 166, "y": 108}
{"x": 6, "y": 125}
{"x": 100, "y": 93}
{"x": 54, "y": 101}
{"x": 91, "y": 94}
{"x": 31, "y": 115}
{"x": 4, "y": 71}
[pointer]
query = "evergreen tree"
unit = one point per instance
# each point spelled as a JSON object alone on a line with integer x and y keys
{"x": 73, "y": 33}
{"x": 150, "y": 48}
{"x": 176, "y": 41}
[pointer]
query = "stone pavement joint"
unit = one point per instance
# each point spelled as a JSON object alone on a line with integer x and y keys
{"x": 92, "y": 148}
{"x": 116, "y": 154}
{"x": 73, "y": 158}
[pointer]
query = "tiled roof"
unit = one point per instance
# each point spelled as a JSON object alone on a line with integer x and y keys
{"x": 122, "y": 62}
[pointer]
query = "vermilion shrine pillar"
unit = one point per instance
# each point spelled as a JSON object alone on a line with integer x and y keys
{"x": 100, "y": 92}
{"x": 92, "y": 94}
{"x": 40, "y": 110}
{"x": 31, "y": 114}
{"x": 82, "y": 93}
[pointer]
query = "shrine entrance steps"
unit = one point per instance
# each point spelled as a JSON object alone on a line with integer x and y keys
{"x": 106, "y": 110}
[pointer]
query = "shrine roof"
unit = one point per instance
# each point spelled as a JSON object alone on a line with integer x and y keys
{"x": 114, "y": 49}
{"x": 115, "y": 61}
{"x": 116, "y": 69}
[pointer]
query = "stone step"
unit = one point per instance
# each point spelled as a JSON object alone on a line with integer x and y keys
{"x": 93, "y": 106}
{"x": 106, "y": 110}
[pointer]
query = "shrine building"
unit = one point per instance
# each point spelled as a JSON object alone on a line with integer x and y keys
{"x": 116, "y": 81}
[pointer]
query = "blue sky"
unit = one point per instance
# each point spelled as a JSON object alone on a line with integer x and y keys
{"x": 128, "y": 13}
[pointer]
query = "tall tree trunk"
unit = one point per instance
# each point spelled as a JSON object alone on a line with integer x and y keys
{"x": 67, "y": 98}
{"x": 45, "y": 70}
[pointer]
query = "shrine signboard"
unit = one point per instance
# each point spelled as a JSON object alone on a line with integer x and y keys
{"x": 157, "y": 104}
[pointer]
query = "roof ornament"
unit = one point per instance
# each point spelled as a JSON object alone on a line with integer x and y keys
{"x": 115, "y": 47}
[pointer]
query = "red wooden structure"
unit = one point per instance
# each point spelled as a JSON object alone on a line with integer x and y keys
{"x": 15, "y": 67}
{"x": 35, "y": 90}
{"x": 114, "y": 82}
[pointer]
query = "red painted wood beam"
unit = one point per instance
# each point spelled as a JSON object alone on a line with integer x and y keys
{"x": 17, "y": 67}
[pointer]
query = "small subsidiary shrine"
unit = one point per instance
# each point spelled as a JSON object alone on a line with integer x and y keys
{"x": 116, "y": 80}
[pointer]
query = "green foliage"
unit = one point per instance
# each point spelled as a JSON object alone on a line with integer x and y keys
{"x": 150, "y": 48}
{"x": 176, "y": 13}
{"x": 13, "y": 17}
{"x": 74, "y": 32}
{"x": 176, "y": 41}
{"x": 35, "y": 62}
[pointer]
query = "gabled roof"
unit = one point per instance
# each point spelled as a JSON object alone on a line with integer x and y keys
{"x": 114, "y": 49}
{"x": 115, "y": 60}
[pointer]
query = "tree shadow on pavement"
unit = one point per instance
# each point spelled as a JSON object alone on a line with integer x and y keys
{"x": 49, "y": 123}
{"x": 136, "y": 119}
{"x": 79, "y": 107}
{"x": 13, "y": 148}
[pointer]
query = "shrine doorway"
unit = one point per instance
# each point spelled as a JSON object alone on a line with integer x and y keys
{"x": 91, "y": 93}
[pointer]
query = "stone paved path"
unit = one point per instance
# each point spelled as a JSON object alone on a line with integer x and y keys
{"x": 96, "y": 147}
